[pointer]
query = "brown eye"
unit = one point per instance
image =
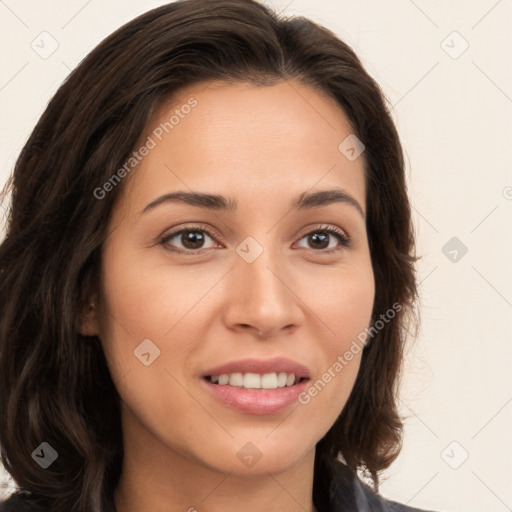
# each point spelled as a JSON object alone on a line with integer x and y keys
{"x": 321, "y": 238}
{"x": 191, "y": 239}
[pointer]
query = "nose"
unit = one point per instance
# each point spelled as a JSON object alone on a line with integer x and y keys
{"x": 263, "y": 296}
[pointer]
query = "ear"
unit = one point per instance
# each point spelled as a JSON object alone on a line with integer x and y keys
{"x": 89, "y": 321}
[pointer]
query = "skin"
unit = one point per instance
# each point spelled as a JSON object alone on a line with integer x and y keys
{"x": 263, "y": 147}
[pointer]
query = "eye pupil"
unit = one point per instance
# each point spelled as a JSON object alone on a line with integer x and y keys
{"x": 322, "y": 237}
{"x": 196, "y": 238}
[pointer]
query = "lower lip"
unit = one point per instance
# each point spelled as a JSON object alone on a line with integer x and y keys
{"x": 256, "y": 401}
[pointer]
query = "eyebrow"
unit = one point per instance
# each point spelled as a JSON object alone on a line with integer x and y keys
{"x": 305, "y": 201}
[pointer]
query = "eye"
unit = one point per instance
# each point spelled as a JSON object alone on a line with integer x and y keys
{"x": 192, "y": 240}
{"x": 320, "y": 237}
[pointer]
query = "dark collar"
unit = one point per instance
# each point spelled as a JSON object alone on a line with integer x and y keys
{"x": 337, "y": 489}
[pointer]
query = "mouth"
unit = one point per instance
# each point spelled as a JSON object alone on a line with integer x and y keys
{"x": 251, "y": 393}
{"x": 257, "y": 386}
{"x": 255, "y": 381}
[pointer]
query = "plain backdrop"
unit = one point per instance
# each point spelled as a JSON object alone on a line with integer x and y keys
{"x": 445, "y": 69}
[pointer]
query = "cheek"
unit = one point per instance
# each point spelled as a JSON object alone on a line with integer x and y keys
{"x": 350, "y": 308}
{"x": 143, "y": 300}
{"x": 342, "y": 299}
{"x": 344, "y": 306}
{"x": 142, "y": 328}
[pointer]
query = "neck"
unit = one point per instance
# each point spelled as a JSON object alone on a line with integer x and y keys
{"x": 190, "y": 489}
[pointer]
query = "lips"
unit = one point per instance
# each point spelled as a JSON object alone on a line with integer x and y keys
{"x": 261, "y": 366}
{"x": 257, "y": 401}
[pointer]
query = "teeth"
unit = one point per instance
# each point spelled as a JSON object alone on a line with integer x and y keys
{"x": 235, "y": 379}
{"x": 251, "y": 381}
{"x": 269, "y": 381}
{"x": 255, "y": 380}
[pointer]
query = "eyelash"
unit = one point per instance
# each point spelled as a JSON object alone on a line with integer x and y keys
{"x": 344, "y": 240}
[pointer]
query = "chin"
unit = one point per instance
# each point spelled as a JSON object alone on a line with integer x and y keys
{"x": 246, "y": 458}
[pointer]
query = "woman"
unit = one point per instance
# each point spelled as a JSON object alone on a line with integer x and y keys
{"x": 207, "y": 274}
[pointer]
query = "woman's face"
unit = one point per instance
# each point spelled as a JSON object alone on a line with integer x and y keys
{"x": 260, "y": 280}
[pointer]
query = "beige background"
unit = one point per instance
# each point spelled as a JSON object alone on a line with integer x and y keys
{"x": 453, "y": 108}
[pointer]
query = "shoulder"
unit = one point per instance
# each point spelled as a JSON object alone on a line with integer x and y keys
{"x": 348, "y": 492}
{"x": 19, "y": 502}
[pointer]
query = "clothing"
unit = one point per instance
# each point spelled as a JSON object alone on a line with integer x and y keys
{"x": 347, "y": 493}
{"x": 340, "y": 491}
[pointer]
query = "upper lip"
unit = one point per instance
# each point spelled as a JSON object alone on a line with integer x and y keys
{"x": 261, "y": 366}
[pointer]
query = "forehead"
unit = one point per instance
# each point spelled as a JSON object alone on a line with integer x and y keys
{"x": 247, "y": 141}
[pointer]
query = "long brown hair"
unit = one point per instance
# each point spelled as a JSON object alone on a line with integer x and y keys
{"x": 55, "y": 386}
